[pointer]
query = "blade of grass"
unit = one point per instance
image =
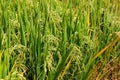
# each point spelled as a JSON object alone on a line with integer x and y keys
{"x": 110, "y": 45}
{"x": 66, "y": 67}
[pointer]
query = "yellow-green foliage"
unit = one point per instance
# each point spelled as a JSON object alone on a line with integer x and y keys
{"x": 59, "y": 39}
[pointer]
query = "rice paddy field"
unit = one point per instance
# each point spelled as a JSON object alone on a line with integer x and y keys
{"x": 59, "y": 39}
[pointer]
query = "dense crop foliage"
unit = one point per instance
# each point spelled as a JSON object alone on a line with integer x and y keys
{"x": 59, "y": 39}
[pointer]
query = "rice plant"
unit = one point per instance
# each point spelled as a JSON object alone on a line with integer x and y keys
{"x": 59, "y": 39}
